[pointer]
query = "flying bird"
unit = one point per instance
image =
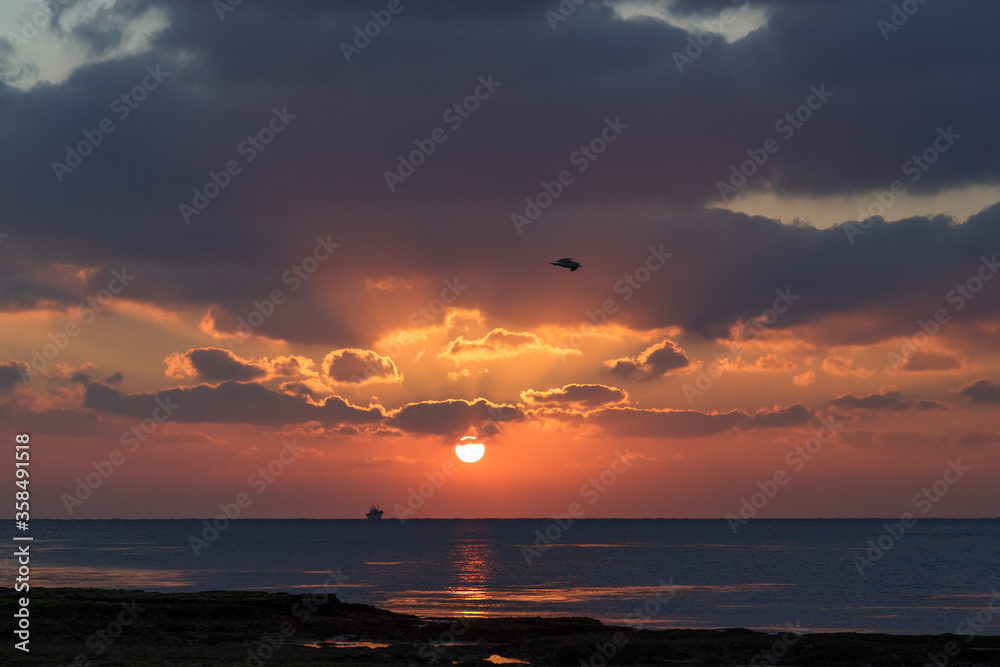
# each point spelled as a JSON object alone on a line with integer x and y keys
{"x": 567, "y": 263}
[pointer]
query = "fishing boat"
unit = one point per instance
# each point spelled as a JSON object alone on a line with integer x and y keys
{"x": 374, "y": 513}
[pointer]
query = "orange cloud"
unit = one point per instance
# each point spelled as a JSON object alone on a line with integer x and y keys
{"x": 388, "y": 283}
{"x": 291, "y": 366}
{"x": 466, "y": 373}
{"x": 499, "y": 344}
{"x": 769, "y": 363}
{"x": 805, "y": 379}
{"x": 843, "y": 366}
{"x": 654, "y": 362}
{"x": 390, "y": 459}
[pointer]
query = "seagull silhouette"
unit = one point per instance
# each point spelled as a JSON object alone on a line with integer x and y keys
{"x": 567, "y": 263}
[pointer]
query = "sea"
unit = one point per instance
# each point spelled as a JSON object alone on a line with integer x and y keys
{"x": 865, "y": 575}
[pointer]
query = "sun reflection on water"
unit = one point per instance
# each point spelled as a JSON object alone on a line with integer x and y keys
{"x": 472, "y": 575}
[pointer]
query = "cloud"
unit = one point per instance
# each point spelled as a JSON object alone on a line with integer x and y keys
{"x": 453, "y": 417}
{"x": 353, "y": 366}
{"x": 11, "y": 373}
{"x": 778, "y": 417}
{"x": 294, "y": 374}
{"x": 74, "y": 374}
{"x": 981, "y": 391}
{"x": 455, "y": 376}
{"x": 390, "y": 459}
{"x": 576, "y": 395}
{"x": 635, "y": 456}
{"x": 233, "y": 255}
{"x": 890, "y": 439}
{"x": 653, "y": 363}
{"x": 885, "y": 399}
{"x": 770, "y": 363}
{"x": 805, "y": 379}
{"x": 931, "y": 361}
{"x": 499, "y": 344}
{"x": 646, "y": 423}
{"x": 312, "y": 389}
{"x": 844, "y": 366}
{"x": 388, "y": 284}
{"x": 67, "y": 373}
{"x": 214, "y": 365}
{"x": 627, "y": 422}
{"x": 292, "y": 367}
{"x": 979, "y": 438}
{"x": 228, "y": 402}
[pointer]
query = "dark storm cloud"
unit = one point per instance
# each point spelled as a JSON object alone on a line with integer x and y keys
{"x": 729, "y": 266}
{"x": 11, "y": 374}
{"x": 653, "y": 363}
{"x": 324, "y": 172}
{"x": 80, "y": 377}
{"x": 931, "y": 361}
{"x": 778, "y": 417}
{"x": 890, "y": 400}
{"x": 453, "y": 417}
{"x": 893, "y": 277}
{"x": 981, "y": 391}
{"x": 215, "y": 365}
{"x": 20, "y": 289}
{"x": 229, "y": 402}
{"x": 359, "y": 366}
{"x": 885, "y": 400}
{"x": 640, "y": 423}
{"x": 576, "y": 395}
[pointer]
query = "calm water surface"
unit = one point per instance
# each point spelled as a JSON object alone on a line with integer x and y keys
{"x": 772, "y": 573}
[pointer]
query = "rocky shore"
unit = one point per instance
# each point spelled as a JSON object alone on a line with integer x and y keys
{"x": 87, "y": 626}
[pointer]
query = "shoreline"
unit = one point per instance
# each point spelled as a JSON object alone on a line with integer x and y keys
{"x": 82, "y": 626}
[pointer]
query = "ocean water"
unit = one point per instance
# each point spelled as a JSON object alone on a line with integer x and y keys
{"x": 660, "y": 573}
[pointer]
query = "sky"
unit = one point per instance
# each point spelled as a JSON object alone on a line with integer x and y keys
{"x": 285, "y": 256}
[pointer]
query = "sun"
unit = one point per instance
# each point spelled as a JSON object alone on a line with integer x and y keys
{"x": 470, "y": 452}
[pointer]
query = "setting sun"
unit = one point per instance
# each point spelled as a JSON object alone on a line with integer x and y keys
{"x": 470, "y": 452}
